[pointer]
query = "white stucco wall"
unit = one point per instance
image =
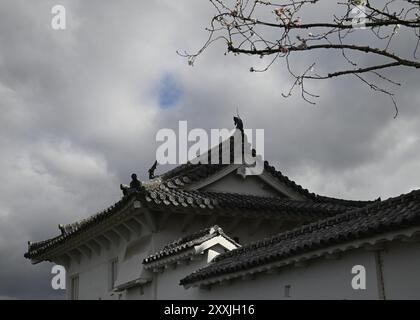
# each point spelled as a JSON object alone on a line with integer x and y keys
{"x": 251, "y": 185}
{"x": 401, "y": 269}
{"x": 319, "y": 279}
{"x": 331, "y": 279}
{"x": 94, "y": 272}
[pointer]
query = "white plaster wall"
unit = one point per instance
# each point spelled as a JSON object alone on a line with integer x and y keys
{"x": 235, "y": 183}
{"x": 140, "y": 293}
{"x": 168, "y": 281}
{"x": 401, "y": 270}
{"x": 321, "y": 279}
{"x": 94, "y": 272}
{"x": 331, "y": 279}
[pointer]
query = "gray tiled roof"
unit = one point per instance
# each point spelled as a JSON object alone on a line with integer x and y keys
{"x": 242, "y": 204}
{"x": 390, "y": 215}
{"x": 168, "y": 190}
{"x": 37, "y": 248}
{"x": 206, "y": 202}
{"x": 187, "y": 242}
{"x": 187, "y": 174}
{"x": 184, "y": 175}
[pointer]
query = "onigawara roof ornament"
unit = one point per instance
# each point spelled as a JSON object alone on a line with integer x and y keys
{"x": 135, "y": 186}
{"x": 239, "y": 124}
{"x": 152, "y": 170}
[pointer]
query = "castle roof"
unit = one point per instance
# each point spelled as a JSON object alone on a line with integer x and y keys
{"x": 175, "y": 190}
{"x": 375, "y": 219}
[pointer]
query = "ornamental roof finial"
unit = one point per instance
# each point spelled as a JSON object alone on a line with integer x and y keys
{"x": 135, "y": 186}
{"x": 238, "y": 123}
{"x": 152, "y": 170}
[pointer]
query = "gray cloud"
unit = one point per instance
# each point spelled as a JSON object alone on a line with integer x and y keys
{"x": 80, "y": 110}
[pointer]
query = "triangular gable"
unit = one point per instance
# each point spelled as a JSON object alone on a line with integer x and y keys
{"x": 235, "y": 182}
{"x": 234, "y": 177}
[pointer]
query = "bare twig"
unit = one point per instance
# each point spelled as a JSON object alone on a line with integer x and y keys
{"x": 247, "y": 28}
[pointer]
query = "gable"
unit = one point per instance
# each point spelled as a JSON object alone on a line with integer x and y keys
{"x": 249, "y": 185}
{"x": 234, "y": 177}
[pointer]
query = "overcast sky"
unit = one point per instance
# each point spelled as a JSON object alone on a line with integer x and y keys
{"x": 80, "y": 108}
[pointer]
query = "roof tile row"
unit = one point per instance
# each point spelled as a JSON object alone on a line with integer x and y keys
{"x": 188, "y": 242}
{"x": 390, "y": 215}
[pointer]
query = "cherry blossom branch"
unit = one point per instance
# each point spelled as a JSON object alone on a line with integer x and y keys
{"x": 264, "y": 28}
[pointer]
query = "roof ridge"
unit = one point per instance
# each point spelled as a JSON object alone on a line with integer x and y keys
{"x": 311, "y": 195}
{"x": 202, "y": 200}
{"x": 71, "y": 229}
{"x": 188, "y": 173}
{"x": 390, "y": 215}
{"x": 310, "y": 227}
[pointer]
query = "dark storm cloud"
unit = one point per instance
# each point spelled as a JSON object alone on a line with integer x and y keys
{"x": 80, "y": 110}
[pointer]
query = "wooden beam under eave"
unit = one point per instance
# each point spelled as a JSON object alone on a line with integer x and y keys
{"x": 150, "y": 220}
{"x": 126, "y": 230}
{"x": 134, "y": 227}
{"x": 137, "y": 225}
{"x": 141, "y": 219}
{"x": 123, "y": 232}
{"x": 86, "y": 251}
{"x": 112, "y": 236}
{"x": 63, "y": 260}
{"x": 95, "y": 246}
{"x": 141, "y": 222}
{"x": 104, "y": 241}
{"x": 75, "y": 255}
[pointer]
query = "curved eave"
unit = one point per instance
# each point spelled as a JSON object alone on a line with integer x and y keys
{"x": 303, "y": 258}
{"x": 59, "y": 244}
